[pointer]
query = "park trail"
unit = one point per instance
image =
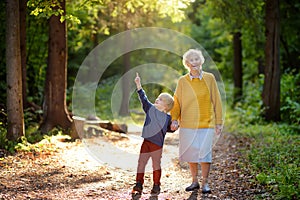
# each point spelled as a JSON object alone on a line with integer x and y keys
{"x": 78, "y": 170}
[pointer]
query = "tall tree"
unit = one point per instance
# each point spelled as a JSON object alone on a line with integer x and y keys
{"x": 226, "y": 11}
{"x": 271, "y": 89}
{"x": 15, "y": 117}
{"x": 215, "y": 19}
{"x": 128, "y": 14}
{"x": 114, "y": 17}
{"x": 54, "y": 107}
{"x": 23, "y": 7}
{"x": 124, "y": 109}
{"x": 237, "y": 65}
{"x": 289, "y": 35}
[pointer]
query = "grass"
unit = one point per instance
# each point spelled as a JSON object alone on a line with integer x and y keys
{"x": 273, "y": 156}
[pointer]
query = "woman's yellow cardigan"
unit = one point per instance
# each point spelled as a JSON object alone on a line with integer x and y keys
{"x": 197, "y": 103}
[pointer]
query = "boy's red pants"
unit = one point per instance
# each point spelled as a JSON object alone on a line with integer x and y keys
{"x": 153, "y": 151}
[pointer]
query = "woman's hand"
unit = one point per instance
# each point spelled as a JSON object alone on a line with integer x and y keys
{"x": 219, "y": 129}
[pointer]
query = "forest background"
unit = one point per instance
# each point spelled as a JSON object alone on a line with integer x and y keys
{"x": 255, "y": 45}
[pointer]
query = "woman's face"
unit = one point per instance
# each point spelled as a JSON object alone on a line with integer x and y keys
{"x": 193, "y": 61}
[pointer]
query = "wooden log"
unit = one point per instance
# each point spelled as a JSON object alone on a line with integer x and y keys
{"x": 120, "y": 128}
{"x": 91, "y": 123}
{"x": 77, "y": 127}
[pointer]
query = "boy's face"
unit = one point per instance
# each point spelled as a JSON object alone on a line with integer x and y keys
{"x": 160, "y": 104}
{"x": 193, "y": 61}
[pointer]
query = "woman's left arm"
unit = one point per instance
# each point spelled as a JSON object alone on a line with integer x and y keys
{"x": 217, "y": 105}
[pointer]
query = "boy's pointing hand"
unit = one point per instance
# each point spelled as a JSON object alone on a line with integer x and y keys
{"x": 138, "y": 81}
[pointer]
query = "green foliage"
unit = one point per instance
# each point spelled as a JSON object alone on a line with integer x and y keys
{"x": 290, "y": 98}
{"x": 103, "y": 97}
{"x": 100, "y": 19}
{"x": 4, "y": 142}
{"x": 289, "y": 35}
{"x": 273, "y": 155}
{"x": 45, "y": 9}
{"x": 214, "y": 23}
{"x": 27, "y": 142}
{"x": 24, "y": 145}
{"x": 38, "y": 142}
{"x": 37, "y": 52}
{"x": 274, "y": 152}
{"x": 32, "y": 132}
{"x": 211, "y": 33}
{"x": 249, "y": 110}
{"x": 275, "y": 159}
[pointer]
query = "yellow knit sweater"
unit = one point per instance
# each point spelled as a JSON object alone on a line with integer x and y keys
{"x": 197, "y": 103}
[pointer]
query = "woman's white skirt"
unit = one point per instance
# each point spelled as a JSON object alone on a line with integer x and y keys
{"x": 195, "y": 145}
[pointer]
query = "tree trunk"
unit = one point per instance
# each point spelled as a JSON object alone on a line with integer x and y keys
{"x": 54, "y": 107}
{"x": 23, "y": 6}
{"x": 238, "y": 69}
{"x": 15, "y": 116}
{"x": 271, "y": 89}
{"x": 124, "y": 110}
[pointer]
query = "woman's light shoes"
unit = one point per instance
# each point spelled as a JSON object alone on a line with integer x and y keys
{"x": 196, "y": 186}
{"x": 206, "y": 189}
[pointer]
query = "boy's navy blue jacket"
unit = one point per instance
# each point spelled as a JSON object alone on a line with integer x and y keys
{"x": 157, "y": 123}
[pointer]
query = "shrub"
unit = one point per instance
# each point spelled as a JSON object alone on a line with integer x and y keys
{"x": 249, "y": 110}
{"x": 274, "y": 159}
{"x": 290, "y": 98}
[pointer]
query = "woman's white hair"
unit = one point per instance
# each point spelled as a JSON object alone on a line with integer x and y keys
{"x": 192, "y": 52}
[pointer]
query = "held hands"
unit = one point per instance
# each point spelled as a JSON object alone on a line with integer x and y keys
{"x": 137, "y": 81}
{"x": 174, "y": 125}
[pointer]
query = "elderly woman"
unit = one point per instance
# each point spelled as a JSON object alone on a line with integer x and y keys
{"x": 198, "y": 111}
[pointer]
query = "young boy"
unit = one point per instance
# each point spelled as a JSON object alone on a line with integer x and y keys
{"x": 156, "y": 125}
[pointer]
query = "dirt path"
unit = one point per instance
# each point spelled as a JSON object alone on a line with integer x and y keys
{"x": 72, "y": 172}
